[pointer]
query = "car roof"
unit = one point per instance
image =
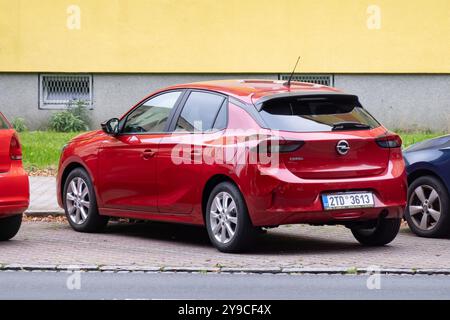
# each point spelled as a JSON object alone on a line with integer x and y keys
{"x": 255, "y": 90}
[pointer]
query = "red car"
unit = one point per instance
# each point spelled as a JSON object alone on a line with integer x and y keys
{"x": 238, "y": 156}
{"x": 14, "y": 188}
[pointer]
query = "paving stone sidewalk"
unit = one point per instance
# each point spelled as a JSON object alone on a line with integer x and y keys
{"x": 159, "y": 245}
{"x": 43, "y": 196}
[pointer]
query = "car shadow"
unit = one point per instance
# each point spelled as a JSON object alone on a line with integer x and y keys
{"x": 272, "y": 242}
{"x": 170, "y": 232}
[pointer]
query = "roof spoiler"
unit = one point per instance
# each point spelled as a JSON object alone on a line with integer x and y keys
{"x": 306, "y": 95}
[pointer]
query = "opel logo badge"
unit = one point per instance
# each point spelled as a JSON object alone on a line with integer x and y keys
{"x": 342, "y": 147}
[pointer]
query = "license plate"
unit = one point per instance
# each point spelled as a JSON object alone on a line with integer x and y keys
{"x": 348, "y": 200}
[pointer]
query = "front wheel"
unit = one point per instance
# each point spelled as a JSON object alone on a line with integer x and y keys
{"x": 10, "y": 226}
{"x": 80, "y": 203}
{"x": 227, "y": 220}
{"x": 383, "y": 233}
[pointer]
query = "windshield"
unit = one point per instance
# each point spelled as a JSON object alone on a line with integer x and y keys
{"x": 314, "y": 114}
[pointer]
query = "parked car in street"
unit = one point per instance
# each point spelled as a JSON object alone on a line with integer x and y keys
{"x": 14, "y": 187}
{"x": 237, "y": 156}
{"x": 428, "y": 170}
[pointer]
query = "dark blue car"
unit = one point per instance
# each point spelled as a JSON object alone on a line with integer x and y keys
{"x": 428, "y": 169}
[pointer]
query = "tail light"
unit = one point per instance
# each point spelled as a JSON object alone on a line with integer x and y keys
{"x": 390, "y": 140}
{"x": 287, "y": 146}
{"x": 15, "y": 151}
{"x": 279, "y": 146}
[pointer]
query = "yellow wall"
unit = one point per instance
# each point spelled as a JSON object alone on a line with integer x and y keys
{"x": 225, "y": 36}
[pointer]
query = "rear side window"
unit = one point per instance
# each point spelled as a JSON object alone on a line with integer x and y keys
{"x": 3, "y": 123}
{"x": 221, "y": 119}
{"x": 315, "y": 114}
{"x": 200, "y": 112}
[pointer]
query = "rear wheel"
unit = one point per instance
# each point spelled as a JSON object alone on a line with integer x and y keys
{"x": 80, "y": 203}
{"x": 383, "y": 233}
{"x": 10, "y": 226}
{"x": 427, "y": 212}
{"x": 227, "y": 220}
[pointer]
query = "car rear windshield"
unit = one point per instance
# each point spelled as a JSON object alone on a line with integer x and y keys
{"x": 3, "y": 123}
{"x": 317, "y": 113}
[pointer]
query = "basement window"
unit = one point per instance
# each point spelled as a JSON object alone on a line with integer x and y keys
{"x": 58, "y": 91}
{"x": 326, "y": 80}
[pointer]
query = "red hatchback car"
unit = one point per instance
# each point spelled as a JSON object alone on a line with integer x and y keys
{"x": 14, "y": 188}
{"x": 238, "y": 156}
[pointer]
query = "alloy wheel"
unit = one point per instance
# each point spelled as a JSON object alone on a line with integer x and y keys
{"x": 425, "y": 207}
{"x": 223, "y": 217}
{"x": 78, "y": 200}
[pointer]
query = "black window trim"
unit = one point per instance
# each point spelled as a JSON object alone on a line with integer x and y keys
{"x": 124, "y": 119}
{"x": 181, "y": 105}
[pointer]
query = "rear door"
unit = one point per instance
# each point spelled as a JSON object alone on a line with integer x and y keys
{"x": 339, "y": 136}
{"x": 5, "y": 142}
{"x": 180, "y": 157}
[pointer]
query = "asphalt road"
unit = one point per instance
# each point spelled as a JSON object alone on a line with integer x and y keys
{"x": 135, "y": 285}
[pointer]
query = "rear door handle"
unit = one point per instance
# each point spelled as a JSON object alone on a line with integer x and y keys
{"x": 147, "y": 154}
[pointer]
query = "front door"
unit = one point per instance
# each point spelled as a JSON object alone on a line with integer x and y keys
{"x": 128, "y": 161}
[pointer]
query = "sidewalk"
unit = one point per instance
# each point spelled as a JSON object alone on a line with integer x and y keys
{"x": 171, "y": 247}
{"x": 43, "y": 196}
{"x": 159, "y": 246}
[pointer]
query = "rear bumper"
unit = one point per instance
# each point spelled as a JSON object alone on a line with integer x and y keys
{"x": 14, "y": 191}
{"x": 287, "y": 199}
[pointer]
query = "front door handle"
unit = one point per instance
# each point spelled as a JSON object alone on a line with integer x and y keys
{"x": 147, "y": 154}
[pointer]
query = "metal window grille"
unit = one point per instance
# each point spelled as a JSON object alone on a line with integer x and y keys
{"x": 56, "y": 91}
{"x": 326, "y": 80}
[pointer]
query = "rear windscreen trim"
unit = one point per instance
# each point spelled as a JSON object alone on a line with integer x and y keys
{"x": 275, "y": 124}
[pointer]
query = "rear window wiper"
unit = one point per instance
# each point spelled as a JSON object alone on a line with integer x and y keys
{"x": 350, "y": 126}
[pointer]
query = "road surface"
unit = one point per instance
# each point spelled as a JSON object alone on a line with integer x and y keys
{"x": 140, "y": 285}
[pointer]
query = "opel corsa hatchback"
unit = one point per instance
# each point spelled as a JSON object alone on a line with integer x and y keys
{"x": 238, "y": 156}
{"x": 14, "y": 189}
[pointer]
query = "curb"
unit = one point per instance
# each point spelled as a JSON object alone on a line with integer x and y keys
{"x": 44, "y": 213}
{"x": 225, "y": 270}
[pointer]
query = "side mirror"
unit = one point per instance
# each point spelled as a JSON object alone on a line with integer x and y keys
{"x": 111, "y": 126}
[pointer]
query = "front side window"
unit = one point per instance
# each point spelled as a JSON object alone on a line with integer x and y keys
{"x": 200, "y": 112}
{"x": 315, "y": 114}
{"x": 152, "y": 115}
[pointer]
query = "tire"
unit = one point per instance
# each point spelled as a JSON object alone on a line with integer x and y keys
{"x": 237, "y": 219}
{"x": 385, "y": 231}
{"x": 421, "y": 215}
{"x": 81, "y": 217}
{"x": 9, "y": 227}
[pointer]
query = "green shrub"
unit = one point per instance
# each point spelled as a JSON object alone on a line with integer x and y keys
{"x": 65, "y": 121}
{"x": 78, "y": 108}
{"x": 19, "y": 124}
{"x": 75, "y": 118}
